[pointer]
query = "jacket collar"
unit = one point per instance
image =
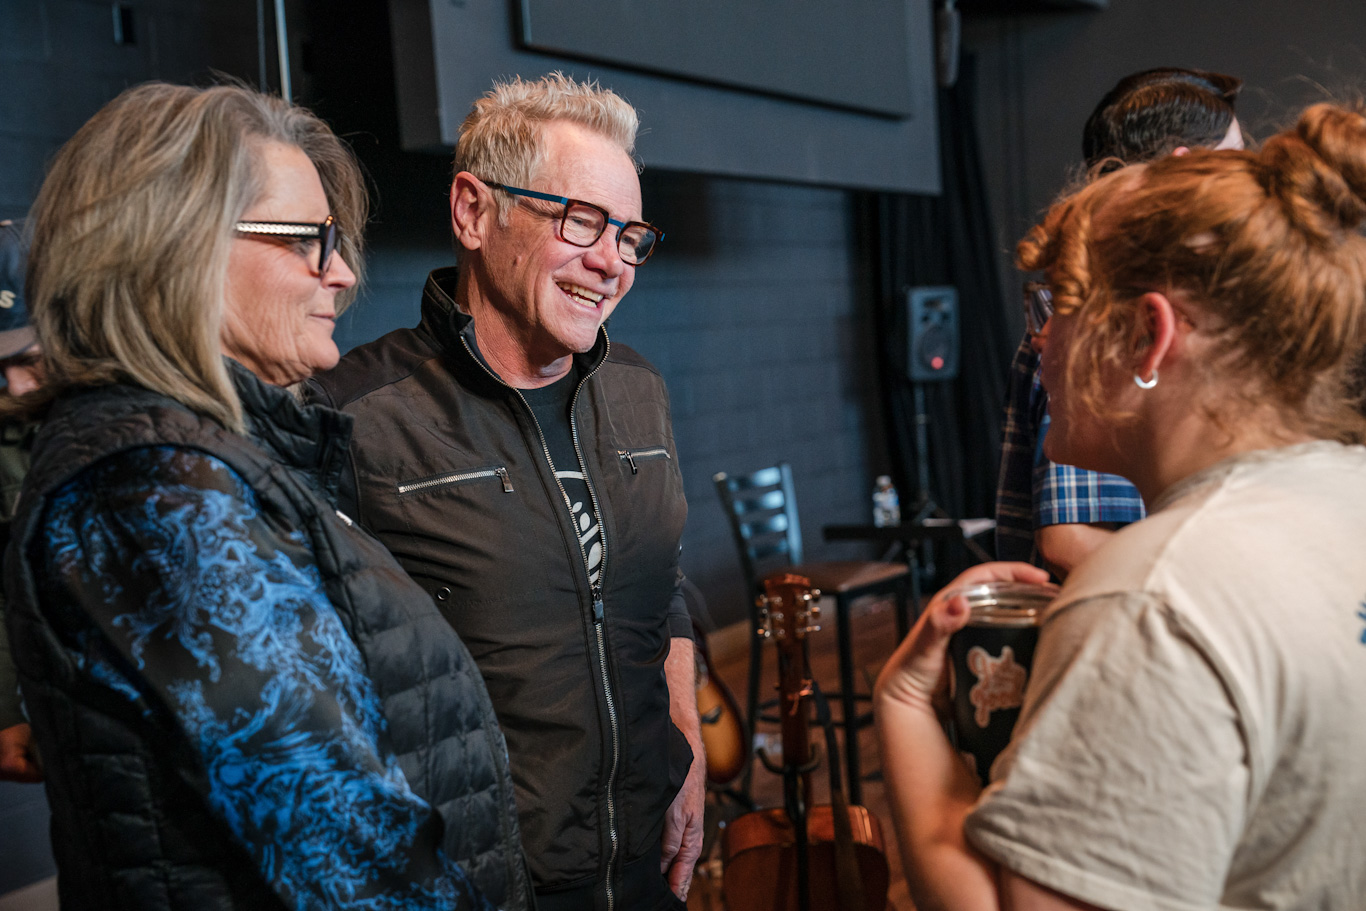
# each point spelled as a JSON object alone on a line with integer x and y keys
{"x": 312, "y": 437}
{"x": 453, "y": 329}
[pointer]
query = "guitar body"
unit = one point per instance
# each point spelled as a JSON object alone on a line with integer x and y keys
{"x": 802, "y": 857}
{"x": 724, "y": 736}
{"x": 761, "y": 863}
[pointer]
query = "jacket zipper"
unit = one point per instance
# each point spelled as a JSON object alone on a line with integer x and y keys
{"x": 599, "y": 606}
{"x": 645, "y": 455}
{"x": 459, "y": 477}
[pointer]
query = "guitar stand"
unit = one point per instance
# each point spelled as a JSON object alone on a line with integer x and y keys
{"x": 783, "y": 768}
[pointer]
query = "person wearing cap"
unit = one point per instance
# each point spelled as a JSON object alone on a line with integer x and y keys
{"x": 19, "y": 363}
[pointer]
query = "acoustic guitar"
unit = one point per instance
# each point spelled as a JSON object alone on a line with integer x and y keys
{"x": 724, "y": 735}
{"x": 801, "y": 857}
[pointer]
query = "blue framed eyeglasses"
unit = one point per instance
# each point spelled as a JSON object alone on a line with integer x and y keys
{"x": 582, "y": 223}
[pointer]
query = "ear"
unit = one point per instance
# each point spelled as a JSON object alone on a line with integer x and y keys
{"x": 1159, "y": 319}
{"x": 473, "y": 211}
{"x": 1181, "y": 151}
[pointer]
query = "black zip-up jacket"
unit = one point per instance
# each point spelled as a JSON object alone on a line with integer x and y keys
{"x": 450, "y": 471}
{"x": 176, "y": 779}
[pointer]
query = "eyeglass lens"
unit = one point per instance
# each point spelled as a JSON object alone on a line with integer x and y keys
{"x": 327, "y": 243}
{"x": 584, "y": 224}
{"x": 1038, "y": 306}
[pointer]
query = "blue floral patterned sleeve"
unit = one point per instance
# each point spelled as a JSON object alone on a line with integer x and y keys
{"x": 175, "y": 591}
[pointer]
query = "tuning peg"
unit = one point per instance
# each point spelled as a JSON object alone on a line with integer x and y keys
{"x": 765, "y": 628}
{"x": 813, "y": 628}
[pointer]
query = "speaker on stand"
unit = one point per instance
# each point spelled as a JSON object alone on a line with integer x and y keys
{"x": 931, "y": 357}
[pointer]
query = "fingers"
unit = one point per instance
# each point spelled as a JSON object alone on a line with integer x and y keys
{"x": 998, "y": 571}
{"x": 17, "y": 760}
{"x": 673, "y": 839}
{"x": 682, "y": 844}
{"x": 681, "y": 870}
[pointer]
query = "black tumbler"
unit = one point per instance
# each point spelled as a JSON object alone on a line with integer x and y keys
{"x": 991, "y": 658}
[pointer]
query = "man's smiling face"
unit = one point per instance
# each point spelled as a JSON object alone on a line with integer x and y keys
{"x": 556, "y": 293}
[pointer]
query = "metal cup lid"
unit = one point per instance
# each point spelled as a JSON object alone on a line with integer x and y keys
{"x": 1006, "y": 603}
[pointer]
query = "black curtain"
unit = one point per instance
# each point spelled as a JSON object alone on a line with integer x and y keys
{"x": 945, "y": 240}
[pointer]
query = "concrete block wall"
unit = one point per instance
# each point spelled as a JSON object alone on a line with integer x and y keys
{"x": 753, "y": 316}
{"x": 59, "y": 64}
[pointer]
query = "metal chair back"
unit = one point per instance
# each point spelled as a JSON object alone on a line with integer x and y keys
{"x": 762, "y": 509}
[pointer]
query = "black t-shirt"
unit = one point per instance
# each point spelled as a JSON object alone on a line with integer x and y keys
{"x": 550, "y": 404}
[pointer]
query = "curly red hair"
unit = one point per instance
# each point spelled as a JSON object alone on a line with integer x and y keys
{"x": 1263, "y": 244}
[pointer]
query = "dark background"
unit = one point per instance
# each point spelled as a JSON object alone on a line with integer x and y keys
{"x": 760, "y": 309}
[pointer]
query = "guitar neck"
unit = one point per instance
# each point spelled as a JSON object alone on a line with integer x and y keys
{"x": 794, "y": 689}
{"x": 790, "y": 608}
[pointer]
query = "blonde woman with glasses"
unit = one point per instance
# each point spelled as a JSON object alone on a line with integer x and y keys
{"x": 240, "y": 698}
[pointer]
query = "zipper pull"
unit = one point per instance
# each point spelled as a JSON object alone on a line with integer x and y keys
{"x": 630, "y": 460}
{"x": 598, "y": 606}
{"x": 505, "y": 478}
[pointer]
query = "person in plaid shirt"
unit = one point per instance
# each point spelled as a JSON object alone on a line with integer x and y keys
{"x": 1054, "y": 515}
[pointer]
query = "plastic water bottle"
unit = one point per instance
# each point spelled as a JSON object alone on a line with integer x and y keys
{"x": 886, "y": 505}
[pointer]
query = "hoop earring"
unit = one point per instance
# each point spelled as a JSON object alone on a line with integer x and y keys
{"x": 1145, "y": 384}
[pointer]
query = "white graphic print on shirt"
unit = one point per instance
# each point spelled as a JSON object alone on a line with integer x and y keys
{"x": 585, "y": 522}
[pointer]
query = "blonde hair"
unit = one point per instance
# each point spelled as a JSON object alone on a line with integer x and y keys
{"x": 1264, "y": 245}
{"x": 132, "y": 229}
{"x": 500, "y": 141}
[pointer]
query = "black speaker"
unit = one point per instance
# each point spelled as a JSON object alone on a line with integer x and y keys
{"x": 931, "y": 333}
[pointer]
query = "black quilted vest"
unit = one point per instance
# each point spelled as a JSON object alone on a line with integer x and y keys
{"x": 129, "y": 827}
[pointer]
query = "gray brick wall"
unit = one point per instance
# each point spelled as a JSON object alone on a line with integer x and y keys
{"x": 59, "y": 63}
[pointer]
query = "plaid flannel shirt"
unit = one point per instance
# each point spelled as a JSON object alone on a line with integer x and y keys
{"x": 1031, "y": 491}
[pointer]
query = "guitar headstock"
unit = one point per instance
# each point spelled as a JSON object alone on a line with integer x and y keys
{"x": 788, "y": 608}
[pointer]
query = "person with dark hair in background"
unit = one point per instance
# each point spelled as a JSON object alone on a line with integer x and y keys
{"x": 240, "y": 699}
{"x": 19, "y": 364}
{"x": 1051, "y": 514}
{"x": 522, "y": 468}
{"x": 1155, "y": 112}
{"x": 1193, "y": 728}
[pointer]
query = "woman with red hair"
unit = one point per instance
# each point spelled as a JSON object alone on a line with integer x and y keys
{"x": 1193, "y": 731}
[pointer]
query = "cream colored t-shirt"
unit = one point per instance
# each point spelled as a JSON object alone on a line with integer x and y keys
{"x": 1194, "y": 733}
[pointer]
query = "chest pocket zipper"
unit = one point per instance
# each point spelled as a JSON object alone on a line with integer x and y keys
{"x": 632, "y": 456}
{"x": 454, "y": 478}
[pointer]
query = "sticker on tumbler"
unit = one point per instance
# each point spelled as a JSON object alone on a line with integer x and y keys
{"x": 1000, "y": 683}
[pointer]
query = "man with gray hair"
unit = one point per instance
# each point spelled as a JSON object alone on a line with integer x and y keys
{"x": 522, "y": 469}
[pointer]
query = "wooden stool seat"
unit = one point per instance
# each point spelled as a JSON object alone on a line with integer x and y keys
{"x": 841, "y": 576}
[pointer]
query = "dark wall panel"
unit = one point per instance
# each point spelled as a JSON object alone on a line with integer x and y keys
{"x": 689, "y": 126}
{"x": 1041, "y": 74}
{"x": 811, "y": 50}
